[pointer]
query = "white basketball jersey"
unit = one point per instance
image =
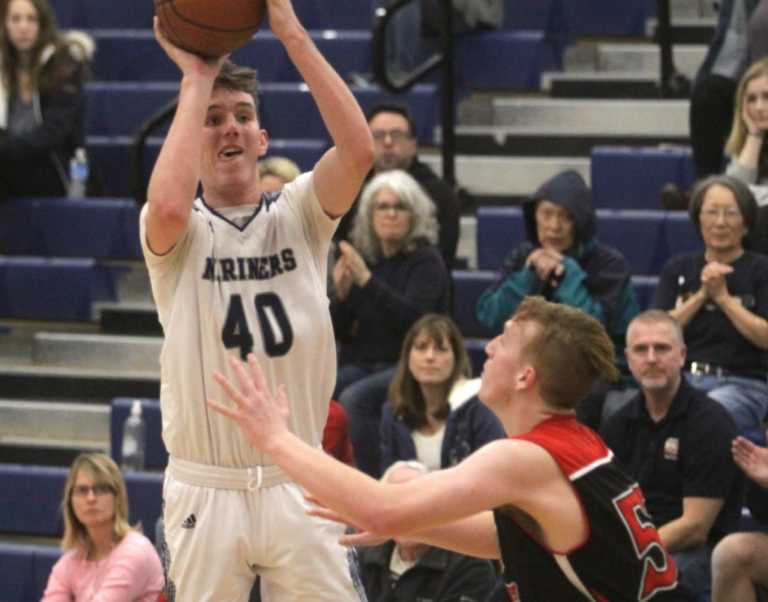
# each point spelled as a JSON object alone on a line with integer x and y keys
{"x": 226, "y": 290}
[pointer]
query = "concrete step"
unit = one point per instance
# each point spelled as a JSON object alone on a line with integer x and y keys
{"x": 507, "y": 176}
{"x": 589, "y": 117}
{"x": 133, "y": 285}
{"x": 692, "y": 9}
{"x": 54, "y": 424}
{"x": 27, "y": 380}
{"x": 644, "y": 58}
{"x": 94, "y": 351}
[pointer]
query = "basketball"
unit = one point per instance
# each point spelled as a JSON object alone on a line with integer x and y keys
{"x": 209, "y": 28}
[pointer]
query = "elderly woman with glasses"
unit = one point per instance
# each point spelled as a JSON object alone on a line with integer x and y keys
{"x": 720, "y": 298}
{"x": 104, "y": 558}
{"x": 386, "y": 278}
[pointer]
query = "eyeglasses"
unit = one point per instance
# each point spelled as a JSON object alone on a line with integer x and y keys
{"x": 98, "y": 490}
{"x": 395, "y": 135}
{"x": 730, "y": 214}
{"x": 396, "y": 207}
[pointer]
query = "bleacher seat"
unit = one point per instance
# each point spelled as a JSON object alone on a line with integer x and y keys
{"x": 135, "y": 55}
{"x": 476, "y": 351}
{"x": 645, "y": 287}
{"x": 24, "y": 570}
{"x": 467, "y": 288}
{"x": 91, "y": 14}
{"x": 31, "y": 495}
{"x": 111, "y": 156}
{"x": 287, "y": 109}
{"x": 60, "y": 227}
{"x": 647, "y": 168}
{"x": 646, "y": 238}
{"x": 53, "y": 288}
{"x": 155, "y": 454}
{"x": 519, "y": 59}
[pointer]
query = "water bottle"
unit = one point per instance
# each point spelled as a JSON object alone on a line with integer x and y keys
{"x": 78, "y": 174}
{"x": 134, "y": 439}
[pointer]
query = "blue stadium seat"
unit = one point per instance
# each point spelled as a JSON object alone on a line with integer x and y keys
{"x": 605, "y": 17}
{"x": 499, "y": 230}
{"x": 155, "y": 454}
{"x": 287, "y": 110}
{"x": 60, "y": 227}
{"x": 625, "y": 177}
{"x": 30, "y": 497}
{"x": 645, "y": 287}
{"x": 135, "y": 55}
{"x": 24, "y": 570}
{"x": 467, "y": 288}
{"x": 476, "y": 350}
{"x": 646, "y": 238}
{"x": 639, "y": 235}
{"x": 518, "y": 59}
{"x": 95, "y": 14}
{"x": 53, "y": 289}
{"x": 111, "y": 158}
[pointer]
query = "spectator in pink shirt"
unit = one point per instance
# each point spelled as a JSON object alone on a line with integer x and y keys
{"x": 105, "y": 559}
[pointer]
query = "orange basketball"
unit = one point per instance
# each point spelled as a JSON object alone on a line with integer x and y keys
{"x": 210, "y": 28}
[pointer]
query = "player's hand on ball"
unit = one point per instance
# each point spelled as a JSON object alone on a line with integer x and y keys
{"x": 187, "y": 62}
{"x": 282, "y": 18}
{"x": 260, "y": 414}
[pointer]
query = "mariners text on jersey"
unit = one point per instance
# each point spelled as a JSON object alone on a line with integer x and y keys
{"x": 226, "y": 269}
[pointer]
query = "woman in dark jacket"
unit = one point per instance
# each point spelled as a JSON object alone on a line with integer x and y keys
{"x": 434, "y": 415}
{"x": 386, "y": 278}
{"x": 42, "y": 104}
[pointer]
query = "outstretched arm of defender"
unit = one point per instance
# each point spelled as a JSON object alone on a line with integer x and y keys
{"x": 504, "y": 472}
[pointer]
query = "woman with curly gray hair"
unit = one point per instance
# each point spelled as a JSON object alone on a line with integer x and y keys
{"x": 385, "y": 279}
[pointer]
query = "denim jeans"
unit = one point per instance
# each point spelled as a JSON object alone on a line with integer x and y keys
{"x": 693, "y": 567}
{"x": 363, "y": 391}
{"x": 746, "y": 399}
{"x": 404, "y": 38}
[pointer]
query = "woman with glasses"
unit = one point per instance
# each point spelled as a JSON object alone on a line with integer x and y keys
{"x": 720, "y": 298}
{"x": 386, "y": 277}
{"x": 104, "y": 557}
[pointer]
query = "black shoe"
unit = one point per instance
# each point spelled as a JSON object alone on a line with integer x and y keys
{"x": 672, "y": 198}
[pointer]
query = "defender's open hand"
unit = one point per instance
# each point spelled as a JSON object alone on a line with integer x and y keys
{"x": 260, "y": 414}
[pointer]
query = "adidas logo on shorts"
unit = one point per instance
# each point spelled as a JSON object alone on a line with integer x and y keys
{"x": 189, "y": 522}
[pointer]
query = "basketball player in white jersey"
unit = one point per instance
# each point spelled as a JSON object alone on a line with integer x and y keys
{"x": 237, "y": 271}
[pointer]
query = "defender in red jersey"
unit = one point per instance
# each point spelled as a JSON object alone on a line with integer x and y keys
{"x": 548, "y": 501}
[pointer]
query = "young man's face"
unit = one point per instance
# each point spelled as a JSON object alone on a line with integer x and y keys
{"x": 394, "y": 145}
{"x": 233, "y": 140}
{"x": 502, "y": 369}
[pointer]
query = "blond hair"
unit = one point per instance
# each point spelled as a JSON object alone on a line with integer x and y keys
{"x": 101, "y": 469}
{"x": 739, "y": 132}
{"x": 280, "y": 167}
{"x": 569, "y": 351}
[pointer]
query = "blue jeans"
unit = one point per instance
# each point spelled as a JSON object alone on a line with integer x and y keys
{"x": 693, "y": 567}
{"x": 746, "y": 399}
{"x": 363, "y": 391}
{"x": 404, "y": 38}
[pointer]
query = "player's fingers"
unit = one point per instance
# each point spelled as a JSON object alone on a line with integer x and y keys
{"x": 228, "y": 412}
{"x": 259, "y": 380}
{"x": 246, "y": 383}
{"x": 231, "y": 392}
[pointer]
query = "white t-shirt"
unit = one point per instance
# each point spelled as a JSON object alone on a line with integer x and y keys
{"x": 428, "y": 447}
{"x": 236, "y": 285}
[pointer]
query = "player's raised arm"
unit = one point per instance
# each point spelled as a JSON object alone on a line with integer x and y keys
{"x": 340, "y": 172}
{"x": 174, "y": 179}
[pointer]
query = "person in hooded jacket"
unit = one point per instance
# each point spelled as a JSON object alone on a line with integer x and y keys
{"x": 434, "y": 415}
{"x": 42, "y": 103}
{"x": 564, "y": 262}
